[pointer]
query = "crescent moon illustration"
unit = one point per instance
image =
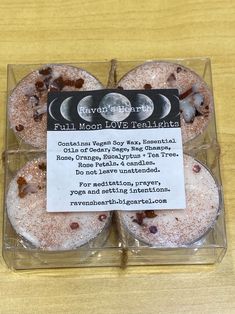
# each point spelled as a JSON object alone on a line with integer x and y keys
{"x": 115, "y": 107}
{"x": 50, "y": 109}
{"x": 84, "y": 108}
{"x": 65, "y": 109}
{"x": 165, "y": 106}
{"x": 144, "y": 107}
{"x": 177, "y": 98}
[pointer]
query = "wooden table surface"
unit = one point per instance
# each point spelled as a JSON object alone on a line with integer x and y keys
{"x": 68, "y": 31}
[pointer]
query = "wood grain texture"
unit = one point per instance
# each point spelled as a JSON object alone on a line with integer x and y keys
{"x": 68, "y": 31}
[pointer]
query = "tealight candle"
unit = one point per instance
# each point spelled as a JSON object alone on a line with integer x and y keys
{"x": 196, "y": 101}
{"x": 26, "y": 209}
{"x": 179, "y": 227}
{"x": 28, "y": 101}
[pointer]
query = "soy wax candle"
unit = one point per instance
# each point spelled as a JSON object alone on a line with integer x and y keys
{"x": 26, "y": 210}
{"x": 195, "y": 97}
{"x": 27, "y": 105}
{"x": 179, "y": 227}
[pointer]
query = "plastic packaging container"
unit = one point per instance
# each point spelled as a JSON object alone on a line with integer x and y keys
{"x": 114, "y": 244}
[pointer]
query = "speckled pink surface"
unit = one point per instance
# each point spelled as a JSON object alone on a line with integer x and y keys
{"x": 21, "y": 110}
{"x": 180, "y": 227}
{"x": 158, "y": 74}
{"x": 49, "y": 231}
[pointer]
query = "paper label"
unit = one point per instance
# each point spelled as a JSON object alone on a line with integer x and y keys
{"x": 114, "y": 150}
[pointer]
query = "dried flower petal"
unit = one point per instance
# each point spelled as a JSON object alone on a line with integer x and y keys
{"x": 69, "y": 82}
{"x": 21, "y": 181}
{"x": 150, "y": 213}
{"x": 58, "y": 83}
{"x": 37, "y": 117}
{"x": 186, "y": 93}
{"x": 171, "y": 78}
{"x": 45, "y": 71}
{"x": 196, "y": 168}
{"x": 47, "y": 81}
{"x": 147, "y": 86}
{"x": 153, "y": 229}
{"x": 19, "y": 127}
{"x": 74, "y": 225}
{"x": 42, "y": 166}
{"x": 39, "y": 86}
{"x": 102, "y": 217}
{"x": 22, "y": 194}
{"x": 139, "y": 218}
{"x": 79, "y": 83}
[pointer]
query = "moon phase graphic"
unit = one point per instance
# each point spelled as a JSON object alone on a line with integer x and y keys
{"x": 84, "y": 108}
{"x": 50, "y": 109}
{"x": 65, "y": 108}
{"x": 144, "y": 107}
{"x": 165, "y": 107}
{"x": 115, "y": 107}
{"x": 177, "y": 99}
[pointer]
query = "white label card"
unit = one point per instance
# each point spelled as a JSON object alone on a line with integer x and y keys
{"x": 97, "y": 166}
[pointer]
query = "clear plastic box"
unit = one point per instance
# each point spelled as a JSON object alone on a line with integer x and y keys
{"x": 115, "y": 246}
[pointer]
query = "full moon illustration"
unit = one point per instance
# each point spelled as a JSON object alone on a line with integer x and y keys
{"x": 84, "y": 108}
{"x": 164, "y": 106}
{"x": 115, "y": 107}
{"x": 50, "y": 108}
{"x": 144, "y": 107}
{"x": 65, "y": 109}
